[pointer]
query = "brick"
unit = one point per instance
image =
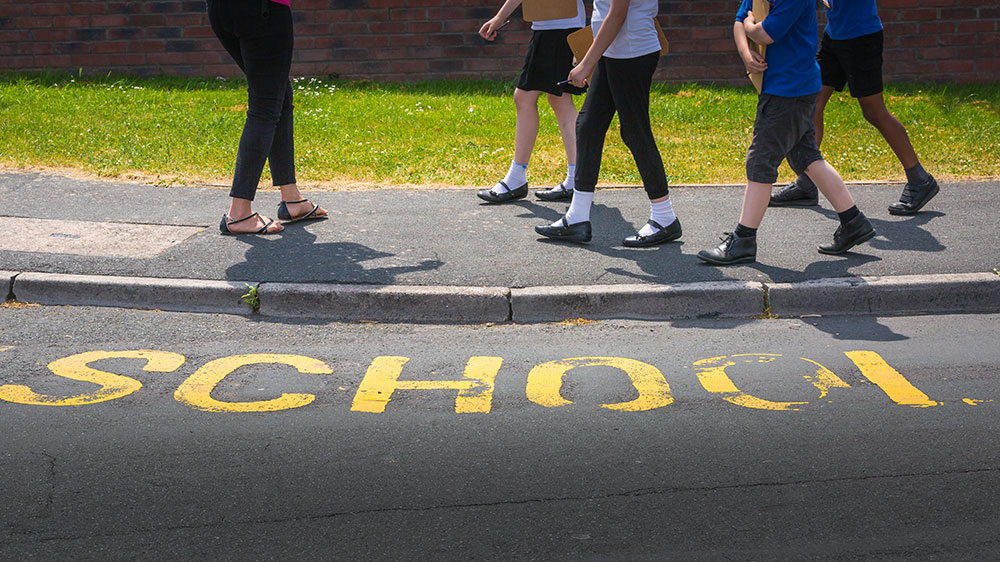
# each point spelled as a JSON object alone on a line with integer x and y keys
{"x": 59, "y": 9}
{"x": 87, "y": 8}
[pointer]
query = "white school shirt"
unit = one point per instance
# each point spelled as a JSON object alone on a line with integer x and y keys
{"x": 568, "y": 23}
{"x": 637, "y": 36}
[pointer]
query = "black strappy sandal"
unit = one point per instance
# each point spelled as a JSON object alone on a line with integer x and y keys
{"x": 224, "y": 226}
{"x": 285, "y": 216}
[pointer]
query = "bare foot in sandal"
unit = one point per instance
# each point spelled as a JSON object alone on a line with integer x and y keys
{"x": 295, "y": 207}
{"x": 251, "y": 224}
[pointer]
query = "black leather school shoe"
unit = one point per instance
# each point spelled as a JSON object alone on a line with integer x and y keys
{"x": 795, "y": 195}
{"x": 509, "y": 195}
{"x": 734, "y": 249}
{"x": 579, "y": 232}
{"x": 914, "y": 197}
{"x": 857, "y": 230}
{"x": 672, "y": 232}
{"x": 557, "y": 193}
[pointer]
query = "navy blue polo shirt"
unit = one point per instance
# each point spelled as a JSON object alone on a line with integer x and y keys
{"x": 792, "y": 70}
{"x": 847, "y": 19}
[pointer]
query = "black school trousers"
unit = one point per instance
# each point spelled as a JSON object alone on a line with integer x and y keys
{"x": 258, "y": 35}
{"x": 620, "y": 86}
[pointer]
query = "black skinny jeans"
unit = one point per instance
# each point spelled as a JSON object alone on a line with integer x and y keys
{"x": 258, "y": 35}
{"x": 622, "y": 86}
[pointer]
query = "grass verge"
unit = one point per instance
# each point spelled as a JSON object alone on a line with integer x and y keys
{"x": 185, "y": 131}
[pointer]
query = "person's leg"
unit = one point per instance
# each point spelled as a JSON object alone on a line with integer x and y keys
{"x": 630, "y": 84}
{"x": 630, "y": 81}
{"x": 525, "y": 135}
{"x": 854, "y": 227}
{"x": 591, "y": 127}
{"x": 281, "y": 159}
{"x": 802, "y": 192}
{"x": 265, "y": 47}
{"x": 774, "y": 134}
{"x": 821, "y": 100}
{"x": 875, "y": 112}
{"x": 566, "y": 114}
{"x": 864, "y": 63}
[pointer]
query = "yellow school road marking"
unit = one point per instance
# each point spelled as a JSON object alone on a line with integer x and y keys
{"x": 896, "y": 387}
{"x": 545, "y": 382}
{"x": 76, "y": 367}
{"x": 196, "y": 391}
{"x": 712, "y": 374}
{"x": 383, "y": 379}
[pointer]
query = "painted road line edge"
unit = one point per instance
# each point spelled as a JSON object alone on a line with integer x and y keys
{"x": 967, "y": 292}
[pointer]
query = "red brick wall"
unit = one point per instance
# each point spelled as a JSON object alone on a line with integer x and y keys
{"x": 926, "y": 40}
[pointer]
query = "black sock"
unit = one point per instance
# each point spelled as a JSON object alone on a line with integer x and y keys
{"x": 917, "y": 175}
{"x": 744, "y": 231}
{"x": 849, "y": 215}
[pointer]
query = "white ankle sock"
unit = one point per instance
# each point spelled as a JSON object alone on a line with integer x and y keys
{"x": 570, "y": 180}
{"x": 662, "y": 213}
{"x": 579, "y": 208}
{"x": 516, "y": 176}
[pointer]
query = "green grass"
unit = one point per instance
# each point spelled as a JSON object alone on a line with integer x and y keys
{"x": 185, "y": 131}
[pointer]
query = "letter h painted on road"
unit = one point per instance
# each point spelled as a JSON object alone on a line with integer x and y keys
{"x": 475, "y": 392}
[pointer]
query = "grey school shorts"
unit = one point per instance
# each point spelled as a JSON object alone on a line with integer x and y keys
{"x": 783, "y": 128}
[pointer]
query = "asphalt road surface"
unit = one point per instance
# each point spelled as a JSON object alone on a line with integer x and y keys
{"x": 142, "y": 435}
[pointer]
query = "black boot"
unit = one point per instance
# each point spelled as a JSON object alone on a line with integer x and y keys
{"x": 800, "y": 193}
{"x": 734, "y": 249}
{"x": 914, "y": 197}
{"x": 856, "y": 231}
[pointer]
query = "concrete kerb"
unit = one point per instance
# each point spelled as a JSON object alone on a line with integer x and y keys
{"x": 6, "y": 282}
{"x": 385, "y": 303}
{"x": 184, "y": 295}
{"x": 961, "y": 292}
{"x": 640, "y": 302}
{"x": 947, "y": 293}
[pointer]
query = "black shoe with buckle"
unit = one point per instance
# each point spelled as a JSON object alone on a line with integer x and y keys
{"x": 914, "y": 197}
{"x": 734, "y": 249}
{"x": 557, "y": 193}
{"x": 661, "y": 235}
{"x": 796, "y": 194}
{"x": 857, "y": 231}
{"x": 579, "y": 232}
{"x": 491, "y": 196}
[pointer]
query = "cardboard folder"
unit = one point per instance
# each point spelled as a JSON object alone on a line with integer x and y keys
{"x": 760, "y": 10}
{"x": 581, "y": 40}
{"x": 541, "y": 10}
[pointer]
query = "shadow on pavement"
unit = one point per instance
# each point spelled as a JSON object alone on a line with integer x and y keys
{"x": 294, "y": 257}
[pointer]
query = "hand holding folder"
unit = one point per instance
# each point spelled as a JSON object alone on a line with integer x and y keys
{"x": 760, "y": 10}
{"x": 581, "y": 40}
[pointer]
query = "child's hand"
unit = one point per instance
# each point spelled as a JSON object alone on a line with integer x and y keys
{"x": 754, "y": 62}
{"x": 749, "y": 20}
{"x": 578, "y": 76}
{"x": 489, "y": 29}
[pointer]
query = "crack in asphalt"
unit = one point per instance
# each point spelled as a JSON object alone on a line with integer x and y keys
{"x": 640, "y": 492}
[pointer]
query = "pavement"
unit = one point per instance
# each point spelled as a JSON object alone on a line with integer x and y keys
{"x": 419, "y": 255}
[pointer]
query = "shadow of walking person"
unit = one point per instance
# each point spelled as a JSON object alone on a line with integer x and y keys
{"x": 295, "y": 257}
